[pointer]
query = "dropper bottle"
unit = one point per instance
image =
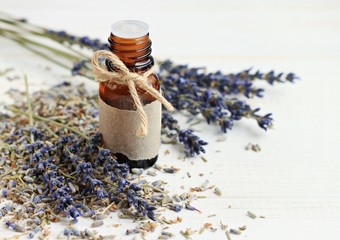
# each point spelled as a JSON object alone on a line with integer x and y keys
{"x": 129, "y": 40}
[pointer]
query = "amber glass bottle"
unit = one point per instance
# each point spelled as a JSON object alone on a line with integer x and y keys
{"x": 129, "y": 40}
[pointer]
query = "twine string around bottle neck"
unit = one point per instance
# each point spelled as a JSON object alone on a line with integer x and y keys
{"x": 123, "y": 76}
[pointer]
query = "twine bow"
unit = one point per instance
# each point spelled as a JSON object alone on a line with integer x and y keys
{"x": 123, "y": 76}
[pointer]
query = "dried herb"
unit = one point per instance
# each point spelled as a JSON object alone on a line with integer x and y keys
{"x": 59, "y": 164}
{"x": 235, "y": 231}
{"x": 253, "y": 147}
{"x": 218, "y": 191}
{"x": 243, "y": 228}
{"x": 251, "y": 215}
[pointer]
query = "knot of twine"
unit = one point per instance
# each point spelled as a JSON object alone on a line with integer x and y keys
{"x": 123, "y": 76}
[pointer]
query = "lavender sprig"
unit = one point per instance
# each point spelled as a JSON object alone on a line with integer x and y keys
{"x": 191, "y": 142}
{"x": 85, "y": 41}
{"x": 215, "y": 107}
{"x": 227, "y": 84}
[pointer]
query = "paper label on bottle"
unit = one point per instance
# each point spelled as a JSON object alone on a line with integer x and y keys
{"x": 118, "y": 128}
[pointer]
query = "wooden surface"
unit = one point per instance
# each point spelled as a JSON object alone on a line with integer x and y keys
{"x": 294, "y": 181}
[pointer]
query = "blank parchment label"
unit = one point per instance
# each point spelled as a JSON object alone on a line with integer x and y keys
{"x": 119, "y": 127}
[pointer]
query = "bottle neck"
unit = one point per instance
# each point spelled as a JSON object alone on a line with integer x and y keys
{"x": 135, "y": 53}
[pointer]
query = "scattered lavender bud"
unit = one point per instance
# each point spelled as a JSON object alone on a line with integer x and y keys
{"x": 15, "y": 227}
{"x": 166, "y": 235}
{"x": 158, "y": 166}
{"x": 132, "y": 231}
{"x": 205, "y": 184}
{"x": 223, "y": 226}
{"x": 221, "y": 139}
{"x": 158, "y": 183}
{"x": 76, "y": 232}
{"x": 251, "y": 215}
{"x": 137, "y": 171}
{"x": 89, "y": 213}
{"x": 235, "y": 231}
{"x": 184, "y": 196}
{"x": 175, "y": 207}
{"x": 3, "y": 159}
{"x": 188, "y": 232}
{"x": 243, "y": 228}
{"x": 97, "y": 223}
{"x": 191, "y": 208}
{"x": 99, "y": 216}
{"x": 171, "y": 170}
{"x": 218, "y": 191}
{"x": 89, "y": 233}
{"x": 151, "y": 173}
{"x": 28, "y": 179}
{"x": 4, "y": 192}
{"x": 176, "y": 198}
{"x": 68, "y": 232}
{"x": 254, "y": 147}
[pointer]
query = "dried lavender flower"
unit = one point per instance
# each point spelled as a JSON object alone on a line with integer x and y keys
{"x": 66, "y": 171}
{"x": 97, "y": 223}
{"x": 251, "y": 215}
{"x": 218, "y": 191}
{"x": 235, "y": 231}
{"x": 15, "y": 227}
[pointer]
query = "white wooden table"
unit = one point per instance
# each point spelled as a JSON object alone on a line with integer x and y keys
{"x": 294, "y": 181}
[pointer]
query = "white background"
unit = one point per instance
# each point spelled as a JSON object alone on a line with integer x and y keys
{"x": 294, "y": 181}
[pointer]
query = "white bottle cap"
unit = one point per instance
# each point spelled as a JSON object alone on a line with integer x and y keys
{"x": 129, "y": 29}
